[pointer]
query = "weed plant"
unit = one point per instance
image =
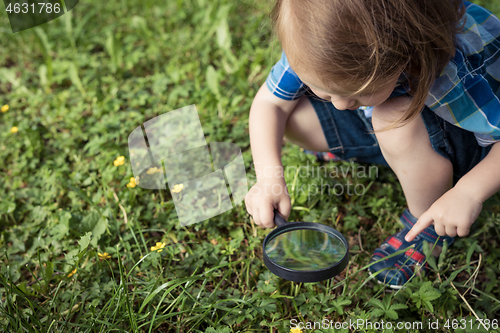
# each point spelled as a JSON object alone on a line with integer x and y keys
{"x": 81, "y": 251}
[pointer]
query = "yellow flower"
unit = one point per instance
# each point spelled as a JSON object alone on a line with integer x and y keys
{"x": 72, "y": 273}
{"x": 120, "y": 160}
{"x": 295, "y": 330}
{"x": 103, "y": 256}
{"x": 177, "y": 188}
{"x": 132, "y": 183}
{"x": 4, "y": 108}
{"x": 159, "y": 246}
{"x": 14, "y": 129}
{"x": 152, "y": 170}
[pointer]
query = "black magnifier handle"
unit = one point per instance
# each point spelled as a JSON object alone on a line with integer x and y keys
{"x": 279, "y": 220}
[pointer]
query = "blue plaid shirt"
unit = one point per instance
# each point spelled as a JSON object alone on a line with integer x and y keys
{"x": 467, "y": 92}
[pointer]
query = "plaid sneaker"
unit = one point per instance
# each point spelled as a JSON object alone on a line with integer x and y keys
{"x": 396, "y": 271}
{"x": 323, "y": 156}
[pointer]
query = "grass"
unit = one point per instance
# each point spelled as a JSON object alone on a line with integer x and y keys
{"x": 78, "y": 85}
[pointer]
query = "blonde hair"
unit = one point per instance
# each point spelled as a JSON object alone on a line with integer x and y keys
{"x": 359, "y": 43}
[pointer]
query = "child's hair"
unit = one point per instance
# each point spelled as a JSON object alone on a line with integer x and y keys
{"x": 357, "y": 43}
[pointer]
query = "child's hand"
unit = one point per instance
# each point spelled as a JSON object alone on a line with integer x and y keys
{"x": 452, "y": 214}
{"x": 263, "y": 197}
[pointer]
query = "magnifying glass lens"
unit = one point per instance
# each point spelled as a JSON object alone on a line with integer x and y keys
{"x": 305, "y": 249}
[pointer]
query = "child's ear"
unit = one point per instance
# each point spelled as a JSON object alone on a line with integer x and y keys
{"x": 412, "y": 78}
{"x": 412, "y": 69}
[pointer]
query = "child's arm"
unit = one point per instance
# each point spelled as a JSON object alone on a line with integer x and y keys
{"x": 458, "y": 208}
{"x": 268, "y": 116}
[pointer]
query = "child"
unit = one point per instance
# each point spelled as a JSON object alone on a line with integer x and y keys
{"x": 424, "y": 75}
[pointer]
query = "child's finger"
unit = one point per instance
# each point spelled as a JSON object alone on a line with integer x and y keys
{"x": 256, "y": 216}
{"x": 423, "y": 222}
{"x": 284, "y": 207}
{"x": 267, "y": 216}
{"x": 451, "y": 231}
{"x": 463, "y": 231}
{"x": 440, "y": 229}
{"x": 248, "y": 206}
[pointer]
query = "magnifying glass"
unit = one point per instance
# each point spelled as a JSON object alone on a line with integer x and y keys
{"x": 304, "y": 251}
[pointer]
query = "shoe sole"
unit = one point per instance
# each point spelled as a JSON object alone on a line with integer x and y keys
{"x": 392, "y": 286}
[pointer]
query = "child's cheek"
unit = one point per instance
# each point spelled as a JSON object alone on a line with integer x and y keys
{"x": 321, "y": 94}
{"x": 374, "y": 100}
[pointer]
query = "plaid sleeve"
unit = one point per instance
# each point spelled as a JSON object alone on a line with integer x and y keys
{"x": 467, "y": 92}
{"x": 283, "y": 82}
